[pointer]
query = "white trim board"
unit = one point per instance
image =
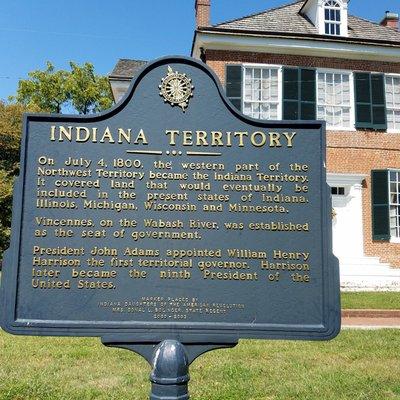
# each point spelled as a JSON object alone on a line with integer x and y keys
{"x": 281, "y": 45}
{"x": 334, "y": 179}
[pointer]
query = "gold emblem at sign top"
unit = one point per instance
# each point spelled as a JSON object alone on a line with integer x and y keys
{"x": 177, "y": 89}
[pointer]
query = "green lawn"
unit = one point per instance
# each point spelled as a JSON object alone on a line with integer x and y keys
{"x": 372, "y": 300}
{"x": 358, "y": 365}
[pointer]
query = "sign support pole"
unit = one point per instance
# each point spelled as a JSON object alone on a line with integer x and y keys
{"x": 170, "y": 374}
{"x": 170, "y": 360}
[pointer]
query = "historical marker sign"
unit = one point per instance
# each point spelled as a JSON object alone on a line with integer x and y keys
{"x": 172, "y": 215}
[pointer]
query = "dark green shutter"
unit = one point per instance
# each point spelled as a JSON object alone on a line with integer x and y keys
{"x": 378, "y": 101}
{"x": 380, "y": 205}
{"x": 370, "y": 101}
{"x": 291, "y": 93}
{"x": 308, "y": 94}
{"x": 362, "y": 84}
{"x": 234, "y": 80}
{"x": 299, "y": 94}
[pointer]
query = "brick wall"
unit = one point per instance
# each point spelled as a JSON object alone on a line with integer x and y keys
{"x": 366, "y": 151}
{"x": 217, "y": 59}
{"x": 356, "y": 152}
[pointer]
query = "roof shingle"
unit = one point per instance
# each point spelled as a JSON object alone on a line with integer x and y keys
{"x": 287, "y": 19}
{"x": 127, "y": 68}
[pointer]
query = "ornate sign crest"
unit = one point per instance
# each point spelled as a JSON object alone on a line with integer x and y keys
{"x": 176, "y": 88}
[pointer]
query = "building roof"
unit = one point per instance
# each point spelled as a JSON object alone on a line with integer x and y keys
{"x": 126, "y": 69}
{"x": 288, "y": 20}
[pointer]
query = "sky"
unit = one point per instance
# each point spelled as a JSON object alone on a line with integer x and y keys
{"x": 101, "y": 31}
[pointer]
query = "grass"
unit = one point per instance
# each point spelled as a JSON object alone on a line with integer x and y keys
{"x": 357, "y": 365}
{"x": 371, "y": 300}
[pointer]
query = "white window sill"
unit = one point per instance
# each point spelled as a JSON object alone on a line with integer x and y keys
{"x": 394, "y": 239}
{"x": 341, "y": 129}
{"x": 393, "y": 131}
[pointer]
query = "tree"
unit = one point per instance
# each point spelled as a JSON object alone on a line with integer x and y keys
{"x": 52, "y": 91}
{"x": 10, "y": 135}
{"x": 44, "y": 91}
{"x": 88, "y": 92}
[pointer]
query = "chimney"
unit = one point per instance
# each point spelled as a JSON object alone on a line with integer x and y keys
{"x": 202, "y": 8}
{"x": 391, "y": 20}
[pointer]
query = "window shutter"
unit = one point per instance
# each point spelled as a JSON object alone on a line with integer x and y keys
{"x": 378, "y": 101}
{"x": 291, "y": 93}
{"x": 234, "y": 85}
{"x": 370, "y": 101}
{"x": 363, "y": 100}
{"x": 308, "y": 106}
{"x": 299, "y": 94}
{"x": 380, "y": 205}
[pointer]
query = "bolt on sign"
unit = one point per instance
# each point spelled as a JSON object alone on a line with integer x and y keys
{"x": 171, "y": 217}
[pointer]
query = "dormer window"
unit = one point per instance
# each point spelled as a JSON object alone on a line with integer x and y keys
{"x": 332, "y": 17}
{"x": 328, "y": 16}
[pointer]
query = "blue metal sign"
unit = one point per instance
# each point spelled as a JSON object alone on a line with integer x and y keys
{"x": 172, "y": 215}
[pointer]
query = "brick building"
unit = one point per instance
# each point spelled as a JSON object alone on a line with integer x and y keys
{"x": 310, "y": 60}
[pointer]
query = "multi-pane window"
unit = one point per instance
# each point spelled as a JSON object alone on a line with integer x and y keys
{"x": 394, "y": 206}
{"x": 261, "y": 92}
{"x": 332, "y": 17}
{"x": 344, "y": 99}
{"x": 392, "y": 88}
{"x": 338, "y": 191}
{"x": 334, "y": 99}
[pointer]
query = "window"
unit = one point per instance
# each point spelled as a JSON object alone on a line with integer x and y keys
{"x": 261, "y": 92}
{"x": 345, "y": 100}
{"x": 334, "y": 99}
{"x": 392, "y": 88}
{"x": 338, "y": 191}
{"x": 332, "y": 17}
{"x": 394, "y": 205}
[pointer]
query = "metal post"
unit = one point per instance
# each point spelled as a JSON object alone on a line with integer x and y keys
{"x": 170, "y": 359}
{"x": 170, "y": 374}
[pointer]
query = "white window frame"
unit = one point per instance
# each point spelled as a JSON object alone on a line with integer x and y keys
{"x": 332, "y": 22}
{"x": 393, "y": 239}
{"x": 352, "y": 127}
{"x": 280, "y": 85}
{"x": 386, "y": 104}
